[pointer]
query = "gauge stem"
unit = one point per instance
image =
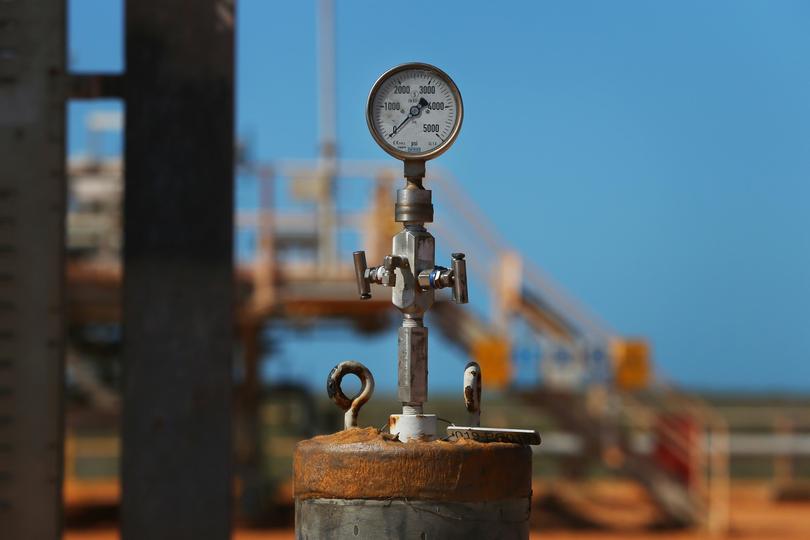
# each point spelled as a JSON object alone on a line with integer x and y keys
{"x": 414, "y": 173}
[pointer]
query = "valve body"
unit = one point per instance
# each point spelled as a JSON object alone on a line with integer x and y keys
{"x": 409, "y": 483}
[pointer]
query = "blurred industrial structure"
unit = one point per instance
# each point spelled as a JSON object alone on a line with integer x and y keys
{"x": 589, "y": 374}
{"x": 595, "y": 384}
{"x": 295, "y": 272}
{"x": 590, "y": 382}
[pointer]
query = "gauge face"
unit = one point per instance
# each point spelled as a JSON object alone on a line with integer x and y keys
{"x": 414, "y": 111}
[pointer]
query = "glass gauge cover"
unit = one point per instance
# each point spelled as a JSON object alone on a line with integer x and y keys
{"x": 414, "y": 111}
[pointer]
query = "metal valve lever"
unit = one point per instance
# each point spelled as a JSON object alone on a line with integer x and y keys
{"x": 440, "y": 277}
{"x": 459, "y": 279}
{"x": 360, "y": 273}
{"x": 384, "y": 275}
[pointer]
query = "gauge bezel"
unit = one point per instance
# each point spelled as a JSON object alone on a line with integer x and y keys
{"x": 434, "y": 152}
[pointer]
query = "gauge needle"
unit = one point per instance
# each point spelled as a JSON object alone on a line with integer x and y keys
{"x": 415, "y": 111}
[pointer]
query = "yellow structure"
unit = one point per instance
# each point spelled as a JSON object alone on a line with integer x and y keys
{"x": 493, "y": 354}
{"x": 632, "y": 368}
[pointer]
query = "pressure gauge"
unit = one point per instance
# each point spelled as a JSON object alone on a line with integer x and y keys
{"x": 414, "y": 111}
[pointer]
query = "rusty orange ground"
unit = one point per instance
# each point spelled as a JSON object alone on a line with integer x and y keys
{"x": 754, "y": 516}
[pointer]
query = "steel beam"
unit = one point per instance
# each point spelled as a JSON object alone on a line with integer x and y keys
{"x": 178, "y": 283}
{"x": 32, "y": 209}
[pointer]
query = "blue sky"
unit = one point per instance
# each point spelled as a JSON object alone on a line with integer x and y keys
{"x": 653, "y": 157}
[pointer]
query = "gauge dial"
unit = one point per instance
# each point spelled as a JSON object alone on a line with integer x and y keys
{"x": 414, "y": 111}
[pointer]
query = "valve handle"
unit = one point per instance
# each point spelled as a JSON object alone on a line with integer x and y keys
{"x": 363, "y": 286}
{"x": 459, "y": 279}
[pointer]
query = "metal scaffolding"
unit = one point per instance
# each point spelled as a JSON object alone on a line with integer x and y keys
{"x": 178, "y": 272}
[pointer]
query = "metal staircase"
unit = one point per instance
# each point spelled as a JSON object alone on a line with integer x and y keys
{"x": 287, "y": 273}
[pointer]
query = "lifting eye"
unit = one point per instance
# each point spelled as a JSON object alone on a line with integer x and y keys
{"x": 351, "y": 406}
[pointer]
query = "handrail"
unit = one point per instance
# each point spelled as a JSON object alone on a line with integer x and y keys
{"x": 710, "y": 495}
{"x": 460, "y": 222}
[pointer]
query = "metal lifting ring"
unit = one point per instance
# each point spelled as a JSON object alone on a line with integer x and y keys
{"x": 351, "y": 406}
{"x": 472, "y": 392}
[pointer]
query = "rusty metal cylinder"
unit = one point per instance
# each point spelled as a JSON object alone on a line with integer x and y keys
{"x": 360, "y": 484}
